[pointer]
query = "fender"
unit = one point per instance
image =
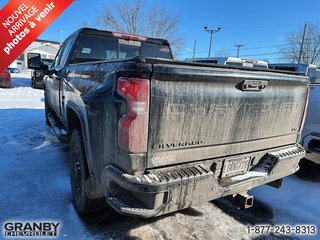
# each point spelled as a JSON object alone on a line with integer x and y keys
{"x": 93, "y": 185}
{"x": 71, "y": 105}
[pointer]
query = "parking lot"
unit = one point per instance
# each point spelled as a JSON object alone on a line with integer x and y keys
{"x": 34, "y": 176}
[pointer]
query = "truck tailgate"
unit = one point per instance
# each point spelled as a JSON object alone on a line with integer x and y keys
{"x": 202, "y": 112}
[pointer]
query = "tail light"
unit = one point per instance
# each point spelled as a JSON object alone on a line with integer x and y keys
{"x": 133, "y": 126}
{"x": 305, "y": 110}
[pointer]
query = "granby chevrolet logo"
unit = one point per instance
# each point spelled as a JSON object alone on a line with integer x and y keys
{"x": 17, "y": 229}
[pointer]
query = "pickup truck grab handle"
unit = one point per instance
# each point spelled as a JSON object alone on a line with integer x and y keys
{"x": 253, "y": 85}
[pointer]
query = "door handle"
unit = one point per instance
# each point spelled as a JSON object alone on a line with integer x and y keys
{"x": 253, "y": 85}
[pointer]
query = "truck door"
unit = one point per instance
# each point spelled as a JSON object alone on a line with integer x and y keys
{"x": 54, "y": 81}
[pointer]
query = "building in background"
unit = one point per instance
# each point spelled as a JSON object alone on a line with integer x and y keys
{"x": 47, "y": 49}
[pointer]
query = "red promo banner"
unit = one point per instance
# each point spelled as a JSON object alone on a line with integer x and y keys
{"x": 22, "y": 21}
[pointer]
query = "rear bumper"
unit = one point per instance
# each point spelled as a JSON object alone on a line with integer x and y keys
{"x": 167, "y": 191}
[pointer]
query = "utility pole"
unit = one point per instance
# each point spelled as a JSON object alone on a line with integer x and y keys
{"x": 59, "y": 35}
{"x": 194, "y": 48}
{"x": 211, "y": 31}
{"x": 302, "y": 42}
{"x": 238, "y": 46}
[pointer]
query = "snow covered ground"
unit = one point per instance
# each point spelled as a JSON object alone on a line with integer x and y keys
{"x": 34, "y": 179}
{"x": 21, "y": 95}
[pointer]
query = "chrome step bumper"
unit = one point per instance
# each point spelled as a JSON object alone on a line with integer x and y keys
{"x": 166, "y": 191}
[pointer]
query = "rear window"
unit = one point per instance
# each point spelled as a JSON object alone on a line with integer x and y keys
{"x": 155, "y": 50}
{"x": 97, "y": 48}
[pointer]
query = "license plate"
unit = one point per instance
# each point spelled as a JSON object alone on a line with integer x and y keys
{"x": 234, "y": 166}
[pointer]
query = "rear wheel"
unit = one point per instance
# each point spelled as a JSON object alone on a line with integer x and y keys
{"x": 79, "y": 174}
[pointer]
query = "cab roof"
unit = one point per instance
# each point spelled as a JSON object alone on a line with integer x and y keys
{"x": 94, "y": 31}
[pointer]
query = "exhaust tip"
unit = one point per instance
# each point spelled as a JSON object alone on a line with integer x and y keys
{"x": 249, "y": 202}
{"x": 244, "y": 200}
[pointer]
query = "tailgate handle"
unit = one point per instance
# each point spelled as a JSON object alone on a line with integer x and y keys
{"x": 253, "y": 85}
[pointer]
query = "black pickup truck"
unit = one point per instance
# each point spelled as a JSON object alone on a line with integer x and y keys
{"x": 151, "y": 135}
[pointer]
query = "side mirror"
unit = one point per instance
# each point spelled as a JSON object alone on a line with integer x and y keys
{"x": 34, "y": 61}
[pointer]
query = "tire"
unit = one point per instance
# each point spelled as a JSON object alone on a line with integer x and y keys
{"x": 79, "y": 174}
{"x": 47, "y": 110}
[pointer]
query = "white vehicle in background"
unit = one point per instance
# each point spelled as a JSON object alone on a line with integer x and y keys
{"x": 13, "y": 67}
{"x": 232, "y": 61}
{"x": 310, "y": 136}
